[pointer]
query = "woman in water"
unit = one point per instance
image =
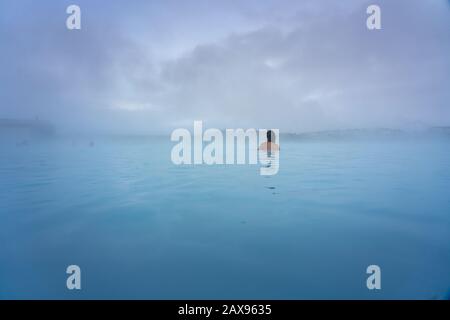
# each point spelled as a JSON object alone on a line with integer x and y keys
{"x": 270, "y": 145}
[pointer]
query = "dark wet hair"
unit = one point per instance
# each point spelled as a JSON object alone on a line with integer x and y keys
{"x": 270, "y": 136}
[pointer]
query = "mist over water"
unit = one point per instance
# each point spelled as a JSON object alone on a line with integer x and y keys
{"x": 298, "y": 66}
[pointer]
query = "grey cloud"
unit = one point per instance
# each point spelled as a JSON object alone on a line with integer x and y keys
{"x": 306, "y": 66}
{"x": 326, "y": 75}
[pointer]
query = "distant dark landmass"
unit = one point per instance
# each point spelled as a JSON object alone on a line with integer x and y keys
{"x": 25, "y": 129}
{"x": 378, "y": 133}
{"x": 440, "y": 130}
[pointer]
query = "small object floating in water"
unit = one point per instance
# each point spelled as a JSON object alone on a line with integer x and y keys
{"x": 271, "y": 188}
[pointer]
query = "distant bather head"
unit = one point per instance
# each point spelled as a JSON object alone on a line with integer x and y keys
{"x": 270, "y": 136}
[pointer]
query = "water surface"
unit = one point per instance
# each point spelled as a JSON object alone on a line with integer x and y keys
{"x": 141, "y": 227}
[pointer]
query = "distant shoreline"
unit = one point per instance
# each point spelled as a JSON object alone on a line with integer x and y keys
{"x": 37, "y": 127}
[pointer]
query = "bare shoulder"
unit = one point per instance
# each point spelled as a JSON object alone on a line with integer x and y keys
{"x": 269, "y": 145}
{"x": 263, "y": 146}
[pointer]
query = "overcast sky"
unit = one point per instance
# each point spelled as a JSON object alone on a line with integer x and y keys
{"x": 151, "y": 66}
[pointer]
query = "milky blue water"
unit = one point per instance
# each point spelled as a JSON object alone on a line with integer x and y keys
{"x": 141, "y": 227}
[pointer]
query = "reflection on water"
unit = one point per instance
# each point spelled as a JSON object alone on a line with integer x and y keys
{"x": 141, "y": 227}
{"x": 269, "y": 162}
{"x": 269, "y": 159}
